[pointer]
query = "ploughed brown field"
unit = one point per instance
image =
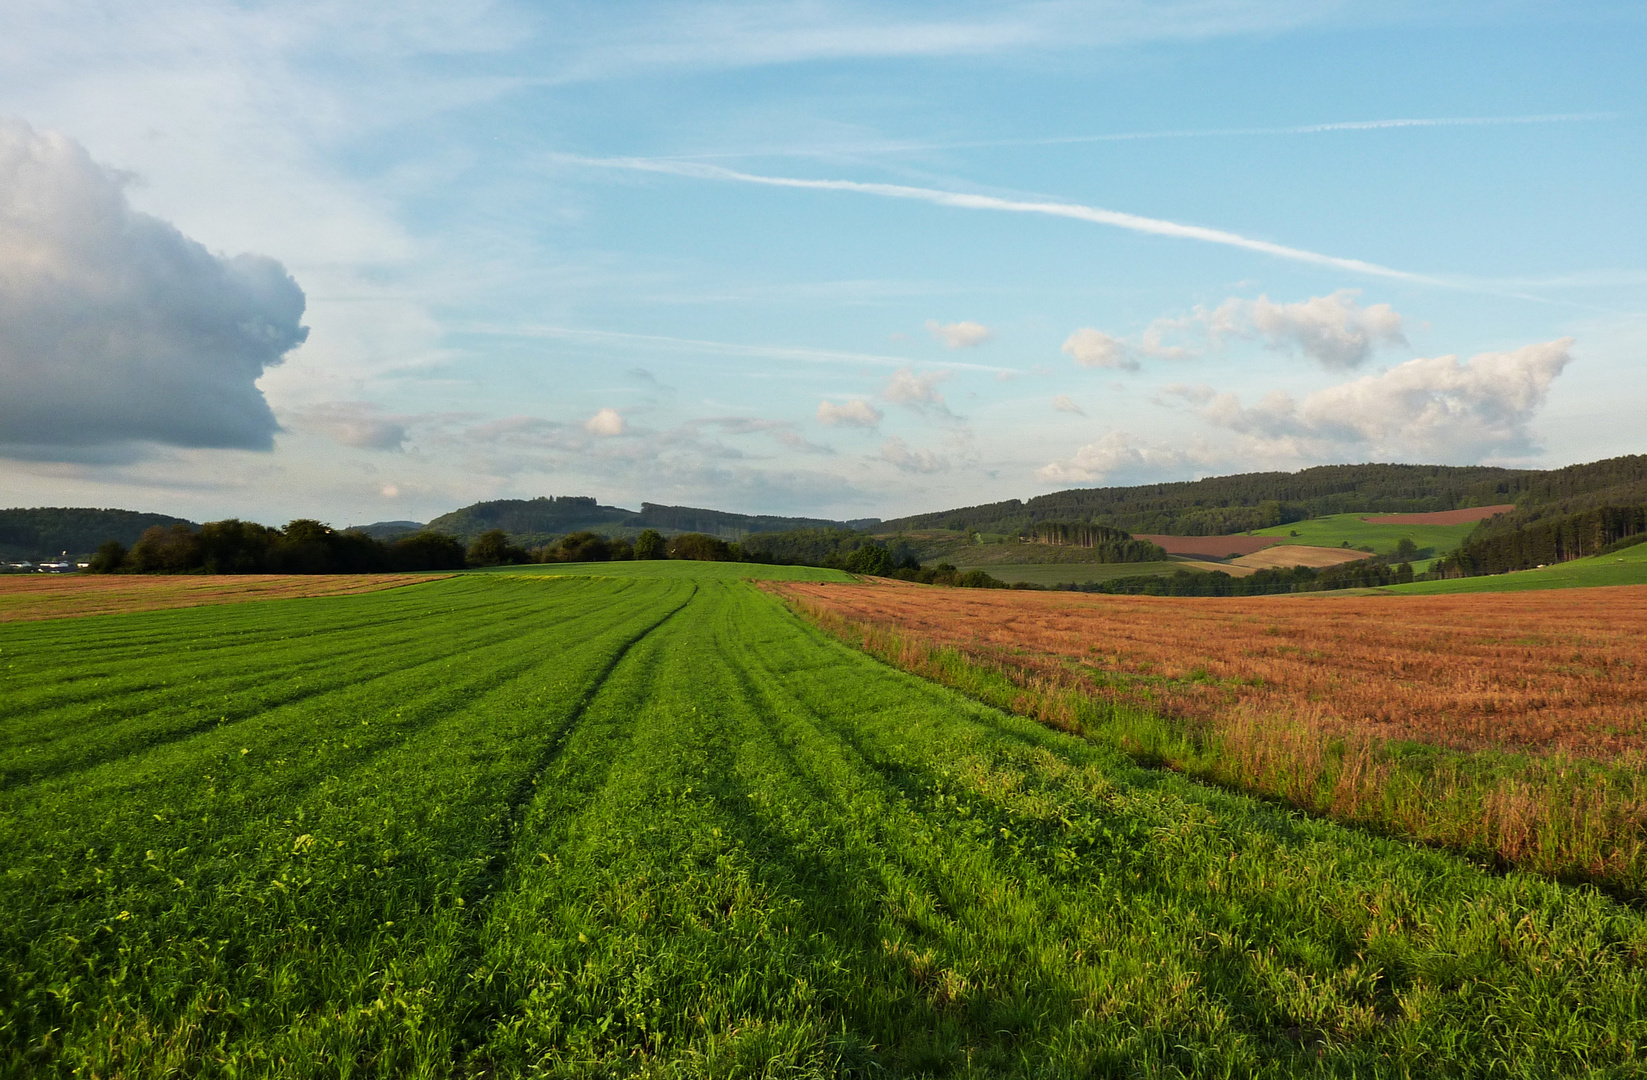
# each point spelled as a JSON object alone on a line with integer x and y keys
{"x": 1216, "y": 547}
{"x": 1523, "y": 671}
{"x": 1442, "y": 517}
{"x": 63, "y": 596}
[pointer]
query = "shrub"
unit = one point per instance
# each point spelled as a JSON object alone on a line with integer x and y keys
{"x": 649, "y": 545}
{"x": 492, "y": 548}
{"x": 701, "y": 547}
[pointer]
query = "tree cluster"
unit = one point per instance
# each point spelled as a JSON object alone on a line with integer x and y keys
{"x": 1361, "y": 574}
{"x": 243, "y": 547}
{"x": 1108, "y": 545}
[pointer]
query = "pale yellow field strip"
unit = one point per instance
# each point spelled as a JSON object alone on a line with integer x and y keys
{"x": 1291, "y": 555}
{"x": 26, "y": 597}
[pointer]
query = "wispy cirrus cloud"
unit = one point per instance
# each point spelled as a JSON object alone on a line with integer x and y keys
{"x": 897, "y": 146}
{"x": 698, "y": 345}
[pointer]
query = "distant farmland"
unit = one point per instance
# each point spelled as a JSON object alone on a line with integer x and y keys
{"x": 657, "y": 826}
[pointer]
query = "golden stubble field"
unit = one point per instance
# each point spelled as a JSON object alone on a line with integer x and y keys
{"x": 1512, "y": 726}
{"x": 1539, "y": 670}
{"x": 61, "y": 596}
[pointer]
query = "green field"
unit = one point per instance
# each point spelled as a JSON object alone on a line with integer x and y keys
{"x": 1334, "y": 529}
{"x": 497, "y": 825}
{"x": 1627, "y": 567}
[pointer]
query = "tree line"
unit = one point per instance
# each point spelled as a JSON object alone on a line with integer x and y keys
{"x": 1545, "y": 541}
{"x": 1223, "y": 505}
{"x": 304, "y": 546}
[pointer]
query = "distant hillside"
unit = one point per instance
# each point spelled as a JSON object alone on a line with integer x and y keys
{"x": 46, "y": 530}
{"x": 1223, "y": 505}
{"x": 544, "y": 519}
{"x": 387, "y": 530}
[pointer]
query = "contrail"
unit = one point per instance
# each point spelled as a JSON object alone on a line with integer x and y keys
{"x": 915, "y": 145}
{"x": 1093, "y": 214}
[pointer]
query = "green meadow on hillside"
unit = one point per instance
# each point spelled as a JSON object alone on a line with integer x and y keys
{"x": 1627, "y": 567}
{"x": 1334, "y": 530}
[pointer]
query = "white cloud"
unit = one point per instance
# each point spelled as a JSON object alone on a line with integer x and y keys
{"x": 917, "y": 391}
{"x": 605, "y": 423}
{"x": 1434, "y": 409}
{"x": 1096, "y": 349}
{"x": 854, "y": 413}
{"x": 115, "y": 328}
{"x": 1121, "y": 453}
{"x": 959, "y": 335}
{"x": 1333, "y": 330}
{"x": 1064, "y": 403}
{"x": 897, "y": 452}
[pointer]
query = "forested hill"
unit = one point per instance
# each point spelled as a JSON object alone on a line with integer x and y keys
{"x": 1230, "y": 504}
{"x": 1562, "y": 514}
{"x": 541, "y": 520}
{"x": 41, "y": 531}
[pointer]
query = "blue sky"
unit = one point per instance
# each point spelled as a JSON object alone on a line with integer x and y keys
{"x": 818, "y": 258}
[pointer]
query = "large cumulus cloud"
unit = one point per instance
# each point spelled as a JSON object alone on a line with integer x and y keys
{"x": 115, "y": 328}
{"x": 1432, "y": 408}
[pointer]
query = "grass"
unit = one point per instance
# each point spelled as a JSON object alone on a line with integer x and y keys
{"x": 1333, "y": 530}
{"x": 497, "y": 826}
{"x": 1627, "y": 567}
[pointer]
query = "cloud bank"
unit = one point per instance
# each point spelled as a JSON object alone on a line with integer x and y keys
{"x": 1428, "y": 409}
{"x": 115, "y": 328}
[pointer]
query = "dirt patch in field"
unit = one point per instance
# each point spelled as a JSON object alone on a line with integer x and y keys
{"x": 25, "y": 597}
{"x": 1442, "y": 517}
{"x": 1290, "y": 555}
{"x": 1214, "y": 547}
{"x": 1509, "y": 670}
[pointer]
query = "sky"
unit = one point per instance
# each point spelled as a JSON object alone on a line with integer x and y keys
{"x": 376, "y": 262}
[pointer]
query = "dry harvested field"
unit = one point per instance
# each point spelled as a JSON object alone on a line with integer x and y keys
{"x": 1512, "y": 726}
{"x": 1442, "y": 517}
{"x": 64, "y": 596}
{"x": 1510, "y": 671}
{"x": 1216, "y": 547}
{"x": 1289, "y": 555}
